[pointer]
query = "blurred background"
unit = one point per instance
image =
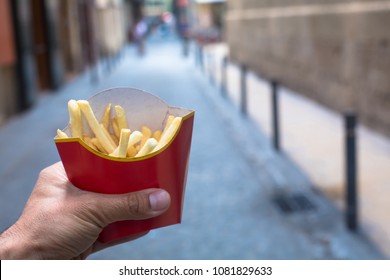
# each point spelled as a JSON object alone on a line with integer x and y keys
{"x": 290, "y": 156}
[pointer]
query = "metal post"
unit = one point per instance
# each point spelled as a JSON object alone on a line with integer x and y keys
{"x": 211, "y": 67}
{"x": 201, "y": 58}
{"x": 351, "y": 171}
{"x": 275, "y": 115}
{"x": 223, "y": 76}
{"x": 243, "y": 90}
{"x": 195, "y": 51}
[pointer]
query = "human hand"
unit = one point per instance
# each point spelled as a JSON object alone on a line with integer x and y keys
{"x": 61, "y": 221}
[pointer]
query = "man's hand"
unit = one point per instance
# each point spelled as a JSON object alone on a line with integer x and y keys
{"x": 61, "y": 221}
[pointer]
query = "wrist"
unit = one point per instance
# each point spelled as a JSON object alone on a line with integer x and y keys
{"x": 15, "y": 246}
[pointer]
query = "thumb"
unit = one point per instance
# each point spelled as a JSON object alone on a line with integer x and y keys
{"x": 139, "y": 205}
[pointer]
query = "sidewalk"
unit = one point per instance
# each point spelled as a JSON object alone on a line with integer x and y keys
{"x": 313, "y": 137}
{"x": 233, "y": 177}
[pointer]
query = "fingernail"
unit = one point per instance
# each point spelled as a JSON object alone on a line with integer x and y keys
{"x": 159, "y": 200}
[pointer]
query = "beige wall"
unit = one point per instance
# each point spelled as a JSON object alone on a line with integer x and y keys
{"x": 111, "y": 29}
{"x": 204, "y": 15}
{"x": 334, "y": 51}
{"x": 70, "y": 36}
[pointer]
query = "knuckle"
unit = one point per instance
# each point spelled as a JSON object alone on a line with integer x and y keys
{"x": 138, "y": 204}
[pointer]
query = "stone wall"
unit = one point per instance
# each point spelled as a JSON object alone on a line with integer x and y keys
{"x": 334, "y": 51}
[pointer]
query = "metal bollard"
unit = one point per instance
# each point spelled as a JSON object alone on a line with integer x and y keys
{"x": 275, "y": 114}
{"x": 201, "y": 58}
{"x": 194, "y": 50}
{"x": 243, "y": 90}
{"x": 350, "y": 120}
{"x": 223, "y": 76}
{"x": 211, "y": 66}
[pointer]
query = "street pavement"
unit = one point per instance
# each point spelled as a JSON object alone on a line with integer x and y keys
{"x": 234, "y": 174}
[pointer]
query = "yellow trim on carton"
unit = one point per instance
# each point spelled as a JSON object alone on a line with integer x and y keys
{"x": 85, "y": 145}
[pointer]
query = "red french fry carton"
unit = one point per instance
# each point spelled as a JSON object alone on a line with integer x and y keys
{"x": 91, "y": 170}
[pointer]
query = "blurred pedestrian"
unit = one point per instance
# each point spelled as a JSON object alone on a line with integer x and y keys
{"x": 140, "y": 31}
{"x": 166, "y": 24}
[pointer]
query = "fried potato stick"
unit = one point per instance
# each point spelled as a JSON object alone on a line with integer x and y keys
{"x": 157, "y": 135}
{"x": 146, "y": 134}
{"x": 106, "y": 116}
{"x": 168, "y": 123}
{"x": 115, "y": 127}
{"x": 104, "y": 140}
{"x": 76, "y": 127}
{"x": 61, "y": 134}
{"x": 169, "y": 133}
{"x": 97, "y": 144}
{"x": 108, "y": 135}
{"x": 121, "y": 150}
{"x": 88, "y": 140}
{"x": 135, "y": 137}
{"x": 121, "y": 117}
{"x": 116, "y": 140}
{"x": 149, "y": 145}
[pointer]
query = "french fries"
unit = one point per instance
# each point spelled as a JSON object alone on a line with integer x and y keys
{"x": 106, "y": 116}
{"x": 61, "y": 134}
{"x": 121, "y": 117}
{"x": 75, "y": 118}
{"x": 135, "y": 138}
{"x": 168, "y": 133}
{"x": 149, "y": 145}
{"x": 146, "y": 134}
{"x": 112, "y": 136}
{"x": 121, "y": 150}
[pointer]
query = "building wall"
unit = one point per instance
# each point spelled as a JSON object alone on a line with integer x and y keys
{"x": 112, "y": 28}
{"x": 70, "y": 37}
{"x": 7, "y": 46}
{"x": 8, "y": 90}
{"x": 204, "y": 15}
{"x": 334, "y": 51}
{"x": 8, "y": 93}
{"x": 42, "y": 39}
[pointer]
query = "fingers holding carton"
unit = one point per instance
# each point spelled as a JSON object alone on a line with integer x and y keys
{"x": 112, "y": 136}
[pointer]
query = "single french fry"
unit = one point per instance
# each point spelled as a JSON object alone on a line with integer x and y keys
{"x": 135, "y": 137}
{"x": 88, "y": 141}
{"x": 121, "y": 150}
{"x": 115, "y": 127}
{"x": 121, "y": 117}
{"x": 149, "y": 145}
{"x": 131, "y": 151}
{"x": 106, "y": 116}
{"x": 157, "y": 135}
{"x": 61, "y": 134}
{"x": 168, "y": 123}
{"x": 146, "y": 134}
{"x": 116, "y": 140}
{"x": 108, "y": 135}
{"x": 76, "y": 128}
{"x": 104, "y": 139}
{"x": 97, "y": 144}
{"x": 169, "y": 133}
